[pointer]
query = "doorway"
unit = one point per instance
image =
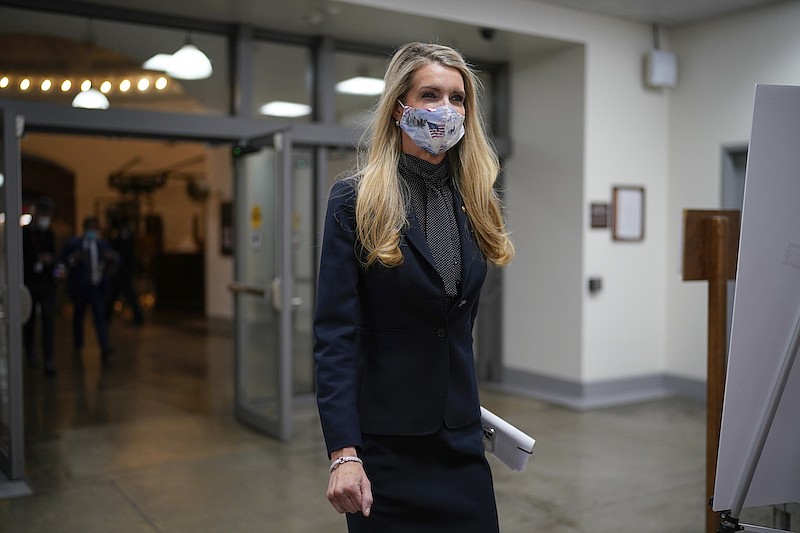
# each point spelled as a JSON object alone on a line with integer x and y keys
{"x": 196, "y": 209}
{"x": 159, "y": 192}
{"x": 170, "y": 377}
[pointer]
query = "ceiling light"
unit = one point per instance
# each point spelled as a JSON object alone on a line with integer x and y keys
{"x": 160, "y": 62}
{"x": 105, "y": 87}
{"x": 125, "y": 85}
{"x": 285, "y": 109}
{"x": 143, "y": 84}
{"x": 188, "y": 63}
{"x": 25, "y": 84}
{"x": 361, "y": 85}
{"x": 46, "y": 84}
{"x": 86, "y": 85}
{"x": 3, "y": 82}
{"x": 161, "y": 83}
{"x": 66, "y": 85}
{"x": 91, "y": 99}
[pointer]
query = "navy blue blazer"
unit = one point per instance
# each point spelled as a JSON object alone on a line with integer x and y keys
{"x": 391, "y": 357}
{"x": 76, "y": 259}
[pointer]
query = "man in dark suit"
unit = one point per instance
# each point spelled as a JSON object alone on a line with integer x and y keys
{"x": 87, "y": 258}
{"x": 38, "y": 260}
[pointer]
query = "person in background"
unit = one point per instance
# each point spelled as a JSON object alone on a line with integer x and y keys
{"x": 87, "y": 258}
{"x": 38, "y": 262}
{"x": 404, "y": 256}
{"x": 121, "y": 280}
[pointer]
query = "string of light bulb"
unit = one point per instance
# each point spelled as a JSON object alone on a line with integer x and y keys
{"x": 106, "y": 85}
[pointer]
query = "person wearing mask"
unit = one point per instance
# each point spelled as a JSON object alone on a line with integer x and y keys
{"x": 87, "y": 258}
{"x": 404, "y": 256}
{"x": 38, "y": 262}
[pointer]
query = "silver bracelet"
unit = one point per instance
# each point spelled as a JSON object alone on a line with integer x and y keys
{"x": 345, "y": 459}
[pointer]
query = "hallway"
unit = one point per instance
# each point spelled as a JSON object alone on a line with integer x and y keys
{"x": 151, "y": 445}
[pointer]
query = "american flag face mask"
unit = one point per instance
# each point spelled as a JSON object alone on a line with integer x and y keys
{"x": 434, "y": 130}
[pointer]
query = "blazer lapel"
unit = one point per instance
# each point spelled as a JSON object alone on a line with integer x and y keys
{"x": 469, "y": 248}
{"x": 470, "y": 253}
{"x": 416, "y": 238}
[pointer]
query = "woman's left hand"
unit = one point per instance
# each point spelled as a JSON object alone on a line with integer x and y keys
{"x": 349, "y": 489}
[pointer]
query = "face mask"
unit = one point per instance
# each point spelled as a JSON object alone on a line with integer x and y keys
{"x": 434, "y": 130}
{"x": 91, "y": 234}
{"x": 44, "y": 222}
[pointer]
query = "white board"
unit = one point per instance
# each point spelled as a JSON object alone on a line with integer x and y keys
{"x": 765, "y": 310}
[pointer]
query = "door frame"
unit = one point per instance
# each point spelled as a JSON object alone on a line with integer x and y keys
{"x": 281, "y": 426}
{"x": 12, "y": 465}
{"x": 60, "y": 119}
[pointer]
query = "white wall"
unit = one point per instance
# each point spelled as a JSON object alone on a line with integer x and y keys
{"x": 626, "y": 144}
{"x": 720, "y": 63}
{"x": 542, "y": 308}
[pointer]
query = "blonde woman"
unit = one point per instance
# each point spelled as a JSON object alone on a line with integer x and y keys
{"x": 404, "y": 257}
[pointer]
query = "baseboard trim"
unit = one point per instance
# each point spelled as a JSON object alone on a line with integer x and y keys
{"x": 13, "y": 489}
{"x": 595, "y": 395}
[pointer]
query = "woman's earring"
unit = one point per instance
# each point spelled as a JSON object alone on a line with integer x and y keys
{"x": 397, "y": 123}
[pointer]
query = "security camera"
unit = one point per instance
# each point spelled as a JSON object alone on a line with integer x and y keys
{"x": 487, "y": 33}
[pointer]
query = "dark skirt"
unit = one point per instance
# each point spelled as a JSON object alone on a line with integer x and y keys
{"x": 439, "y": 484}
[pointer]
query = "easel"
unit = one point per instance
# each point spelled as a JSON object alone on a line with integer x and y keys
{"x": 730, "y": 519}
{"x": 709, "y": 253}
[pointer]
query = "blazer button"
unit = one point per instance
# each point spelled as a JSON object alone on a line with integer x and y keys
{"x": 440, "y": 332}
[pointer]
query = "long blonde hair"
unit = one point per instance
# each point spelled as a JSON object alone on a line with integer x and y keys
{"x": 380, "y": 204}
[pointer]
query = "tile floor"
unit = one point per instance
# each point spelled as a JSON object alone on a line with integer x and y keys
{"x": 150, "y": 445}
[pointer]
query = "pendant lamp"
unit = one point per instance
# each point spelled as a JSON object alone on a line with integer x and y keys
{"x": 90, "y": 99}
{"x": 188, "y": 63}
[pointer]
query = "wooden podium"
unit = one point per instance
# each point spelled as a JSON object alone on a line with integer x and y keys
{"x": 710, "y": 249}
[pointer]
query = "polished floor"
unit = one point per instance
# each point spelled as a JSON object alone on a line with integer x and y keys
{"x": 149, "y": 444}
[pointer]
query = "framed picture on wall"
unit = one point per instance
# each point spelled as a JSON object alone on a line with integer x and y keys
{"x": 628, "y": 214}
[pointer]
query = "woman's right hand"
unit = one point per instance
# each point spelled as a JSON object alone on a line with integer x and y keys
{"x": 349, "y": 489}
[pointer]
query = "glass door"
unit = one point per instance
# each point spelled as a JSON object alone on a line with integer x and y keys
{"x": 12, "y": 463}
{"x": 264, "y": 285}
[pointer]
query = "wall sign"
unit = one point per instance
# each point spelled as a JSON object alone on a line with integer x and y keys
{"x": 628, "y": 214}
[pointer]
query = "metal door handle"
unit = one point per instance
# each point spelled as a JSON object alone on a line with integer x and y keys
{"x": 275, "y": 297}
{"x": 246, "y": 288}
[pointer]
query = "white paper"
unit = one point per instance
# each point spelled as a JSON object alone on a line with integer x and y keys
{"x": 509, "y": 444}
